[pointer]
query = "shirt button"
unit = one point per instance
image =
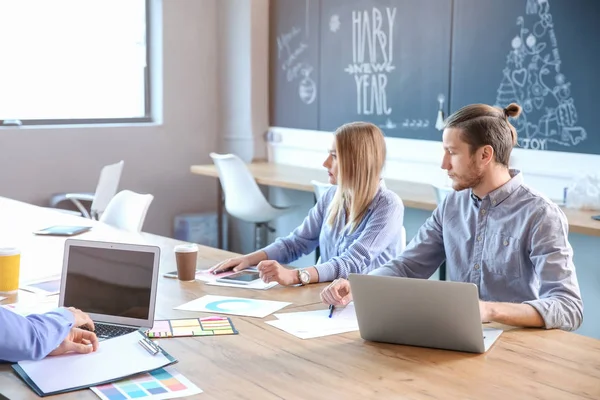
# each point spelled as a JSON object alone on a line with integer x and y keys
{"x": 479, "y": 238}
{"x": 494, "y": 202}
{"x": 483, "y": 211}
{"x": 505, "y": 242}
{"x": 476, "y": 266}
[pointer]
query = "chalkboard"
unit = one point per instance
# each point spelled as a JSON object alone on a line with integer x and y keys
{"x": 542, "y": 54}
{"x": 386, "y": 62}
{"x": 294, "y": 63}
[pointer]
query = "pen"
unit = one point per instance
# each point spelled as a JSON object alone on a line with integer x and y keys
{"x": 331, "y": 308}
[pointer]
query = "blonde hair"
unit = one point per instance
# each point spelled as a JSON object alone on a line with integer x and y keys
{"x": 360, "y": 148}
{"x": 483, "y": 125}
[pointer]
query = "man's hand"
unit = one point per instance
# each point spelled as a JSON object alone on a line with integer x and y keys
{"x": 272, "y": 271}
{"x": 77, "y": 341}
{"x": 82, "y": 319}
{"x": 337, "y": 293}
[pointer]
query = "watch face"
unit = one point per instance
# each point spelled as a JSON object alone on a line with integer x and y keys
{"x": 305, "y": 277}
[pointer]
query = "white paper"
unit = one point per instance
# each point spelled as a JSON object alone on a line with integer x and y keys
{"x": 312, "y": 324}
{"x": 233, "y": 305}
{"x": 257, "y": 285}
{"x": 26, "y": 308}
{"x": 125, "y": 387}
{"x": 117, "y": 357}
{"x": 2, "y": 298}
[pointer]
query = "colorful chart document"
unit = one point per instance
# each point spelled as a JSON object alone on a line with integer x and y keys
{"x": 209, "y": 326}
{"x": 163, "y": 383}
{"x": 233, "y": 305}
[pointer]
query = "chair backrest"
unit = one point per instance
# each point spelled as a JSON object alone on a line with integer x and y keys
{"x": 320, "y": 188}
{"x": 441, "y": 192}
{"x": 107, "y": 187}
{"x": 243, "y": 197}
{"x": 127, "y": 210}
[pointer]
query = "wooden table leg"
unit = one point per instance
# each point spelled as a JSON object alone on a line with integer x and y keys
{"x": 219, "y": 215}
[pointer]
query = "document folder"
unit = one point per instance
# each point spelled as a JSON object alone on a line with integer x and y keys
{"x": 115, "y": 359}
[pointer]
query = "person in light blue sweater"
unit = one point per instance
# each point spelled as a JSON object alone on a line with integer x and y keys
{"x": 357, "y": 223}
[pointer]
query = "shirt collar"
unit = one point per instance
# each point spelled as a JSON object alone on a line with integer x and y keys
{"x": 499, "y": 195}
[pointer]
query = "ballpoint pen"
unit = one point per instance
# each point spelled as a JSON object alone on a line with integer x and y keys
{"x": 331, "y": 308}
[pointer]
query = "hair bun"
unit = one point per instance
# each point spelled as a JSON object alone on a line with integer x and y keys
{"x": 513, "y": 110}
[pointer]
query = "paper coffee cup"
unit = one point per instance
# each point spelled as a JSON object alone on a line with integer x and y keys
{"x": 186, "y": 256}
{"x": 10, "y": 264}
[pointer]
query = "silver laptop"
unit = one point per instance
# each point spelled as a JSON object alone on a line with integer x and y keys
{"x": 114, "y": 283}
{"x": 420, "y": 312}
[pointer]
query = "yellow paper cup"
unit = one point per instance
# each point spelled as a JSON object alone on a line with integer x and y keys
{"x": 10, "y": 261}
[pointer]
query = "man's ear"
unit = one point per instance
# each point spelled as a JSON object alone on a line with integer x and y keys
{"x": 486, "y": 154}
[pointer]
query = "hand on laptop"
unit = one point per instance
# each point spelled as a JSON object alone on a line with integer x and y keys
{"x": 77, "y": 341}
{"x": 337, "y": 293}
{"x": 485, "y": 312}
{"x": 236, "y": 264}
{"x": 81, "y": 319}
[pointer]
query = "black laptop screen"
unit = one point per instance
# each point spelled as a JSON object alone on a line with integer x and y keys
{"x": 109, "y": 281}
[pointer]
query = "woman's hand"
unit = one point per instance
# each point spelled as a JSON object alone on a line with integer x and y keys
{"x": 236, "y": 264}
{"x": 272, "y": 271}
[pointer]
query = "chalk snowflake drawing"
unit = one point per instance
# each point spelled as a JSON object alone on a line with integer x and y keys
{"x": 334, "y": 23}
{"x": 291, "y": 52}
{"x": 533, "y": 79}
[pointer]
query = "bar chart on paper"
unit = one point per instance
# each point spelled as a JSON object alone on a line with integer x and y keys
{"x": 163, "y": 383}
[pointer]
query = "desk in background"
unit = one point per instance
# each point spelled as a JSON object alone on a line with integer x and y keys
{"x": 263, "y": 362}
{"x": 413, "y": 194}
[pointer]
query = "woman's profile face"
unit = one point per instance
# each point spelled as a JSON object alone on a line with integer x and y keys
{"x": 331, "y": 164}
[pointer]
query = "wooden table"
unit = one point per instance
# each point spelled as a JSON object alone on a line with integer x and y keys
{"x": 263, "y": 362}
{"x": 413, "y": 194}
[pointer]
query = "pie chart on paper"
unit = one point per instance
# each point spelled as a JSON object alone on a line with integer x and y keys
{"x": 233, "y": 305}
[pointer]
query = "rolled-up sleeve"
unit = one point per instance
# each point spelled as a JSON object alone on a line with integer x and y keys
{"x": 382, "y": 230}
{"x": 559, "y": 303}
{"x": 32, "y": 337}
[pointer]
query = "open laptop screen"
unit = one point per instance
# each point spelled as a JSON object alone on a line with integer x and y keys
{"x": 110, "y": 281}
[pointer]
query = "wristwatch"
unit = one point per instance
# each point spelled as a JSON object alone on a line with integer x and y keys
{"x": 304, "y": 276}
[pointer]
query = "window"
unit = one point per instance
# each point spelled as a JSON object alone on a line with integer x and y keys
{"x": 74, "y": 61}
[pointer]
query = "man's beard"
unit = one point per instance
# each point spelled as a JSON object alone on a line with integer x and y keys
{"x": 468, "y": 180}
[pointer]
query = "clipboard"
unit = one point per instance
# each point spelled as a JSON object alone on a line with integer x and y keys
{"x": 71, "y": 372}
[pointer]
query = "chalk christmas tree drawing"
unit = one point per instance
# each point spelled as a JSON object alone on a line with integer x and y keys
{"x": 533, "y": 79}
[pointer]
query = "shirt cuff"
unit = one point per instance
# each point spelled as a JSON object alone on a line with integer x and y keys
{"x": 544, "y": 307}
{"x": 326, "y": 272}
{"x": 66, "y": 314}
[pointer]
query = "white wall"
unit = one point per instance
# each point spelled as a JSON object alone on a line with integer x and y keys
{"x": 38, "y": 161}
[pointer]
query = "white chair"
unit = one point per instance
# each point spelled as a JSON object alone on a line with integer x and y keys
{"x": 243, "y": 197}
{"x": 320, "y": 188}
{"x": 105, "y": 191}
{"x": 127, "y": 210}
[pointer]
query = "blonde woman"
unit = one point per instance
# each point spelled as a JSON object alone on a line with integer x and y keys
{"x": 357, "y": 223}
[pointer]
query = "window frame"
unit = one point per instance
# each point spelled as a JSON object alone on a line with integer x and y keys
{"x": 147, "y": 118}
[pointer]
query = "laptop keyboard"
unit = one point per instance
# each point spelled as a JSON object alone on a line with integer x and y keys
{"x": 104, "y": 331}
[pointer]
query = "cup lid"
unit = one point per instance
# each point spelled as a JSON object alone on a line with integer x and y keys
{"x": 186, "y": 248}
{"x": 9, "y": 251}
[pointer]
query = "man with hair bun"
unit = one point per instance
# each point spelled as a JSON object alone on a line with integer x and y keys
{"x": 493, "y": 231}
